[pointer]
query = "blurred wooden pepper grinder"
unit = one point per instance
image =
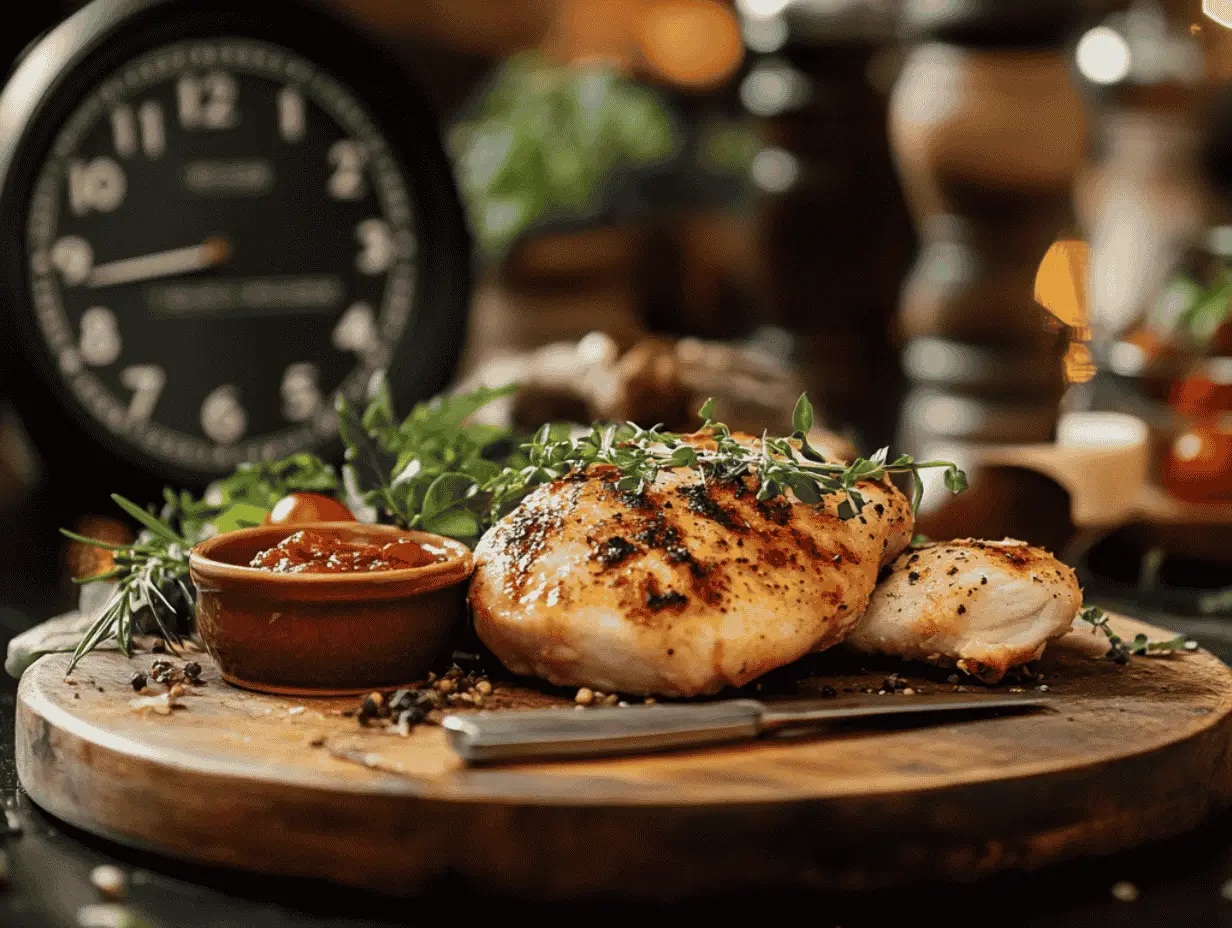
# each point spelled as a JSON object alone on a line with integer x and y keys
{"x": 988, "y": 133}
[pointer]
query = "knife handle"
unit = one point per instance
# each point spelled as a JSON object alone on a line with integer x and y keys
{"x": 484, "y": 737}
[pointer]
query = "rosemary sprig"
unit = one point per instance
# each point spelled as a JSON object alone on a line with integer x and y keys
{"x": 152, "y": 590}
{"x": 1120, "y": 650}
{"x": 147, "y": 574}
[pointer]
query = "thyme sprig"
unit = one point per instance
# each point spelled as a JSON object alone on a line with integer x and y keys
{"x": 1120, "y": 650}
{"x": 148, "y": 575}
{"x": 777, "y": 464}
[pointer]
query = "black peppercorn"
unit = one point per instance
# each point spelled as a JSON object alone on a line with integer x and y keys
{"x": 192, "y": 670}
{"x": 371, "y": 708}
{"x": 412, "y": 717}
{"x": 162, "y": 671}
{"x": 138, "y": 681}
{"x": 401, "y": 700}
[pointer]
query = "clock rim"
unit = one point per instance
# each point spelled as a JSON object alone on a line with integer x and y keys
{"x": 59, "y": 71}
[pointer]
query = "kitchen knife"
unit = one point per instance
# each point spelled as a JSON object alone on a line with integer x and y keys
{"x": 487, "y": 737}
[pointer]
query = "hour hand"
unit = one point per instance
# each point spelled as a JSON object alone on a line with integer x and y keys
{"x": 160, "y": 264}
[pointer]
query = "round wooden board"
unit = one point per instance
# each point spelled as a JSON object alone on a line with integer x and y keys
{"x": 287, "y": 786}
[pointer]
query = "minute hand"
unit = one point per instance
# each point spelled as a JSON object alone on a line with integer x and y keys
{"x": 160, "y": 264}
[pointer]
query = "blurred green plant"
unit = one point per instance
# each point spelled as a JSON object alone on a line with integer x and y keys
{"x": 726, "y": 147}
{"x": 545, "y": 140}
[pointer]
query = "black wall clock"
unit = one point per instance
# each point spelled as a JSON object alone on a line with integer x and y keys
{"x": 215, "y": 215}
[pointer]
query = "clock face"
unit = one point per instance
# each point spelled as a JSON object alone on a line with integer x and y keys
{"x": 219, "y": 242}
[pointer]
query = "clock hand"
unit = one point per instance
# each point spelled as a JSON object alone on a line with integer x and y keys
{"x": 160, "y": 264}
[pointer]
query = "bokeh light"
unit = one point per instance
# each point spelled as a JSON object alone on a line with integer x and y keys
{"x": 1218, "y": 10}
{"x": 1103, "y": 56}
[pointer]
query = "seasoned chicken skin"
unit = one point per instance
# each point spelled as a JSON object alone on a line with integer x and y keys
{"x": 680, "y": 591}
{"x": 986, "y": 606}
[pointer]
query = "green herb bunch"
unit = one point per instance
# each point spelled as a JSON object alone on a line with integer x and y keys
{"x": 546, "y": 140}
{"x": 438, "y": 471}
{"x": 428, "y": 471}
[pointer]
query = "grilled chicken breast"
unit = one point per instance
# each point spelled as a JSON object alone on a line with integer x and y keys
{"x": 681, "y": 590}
{"x": 986, "y": 606}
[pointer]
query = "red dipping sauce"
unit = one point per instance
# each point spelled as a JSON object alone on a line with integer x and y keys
{"x": 308, "y": 552}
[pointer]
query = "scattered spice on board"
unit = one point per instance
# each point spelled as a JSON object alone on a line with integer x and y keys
{"x": 168, "y": 674}
{"x": 163, "y": 703}
{"x": 436, "y": 696}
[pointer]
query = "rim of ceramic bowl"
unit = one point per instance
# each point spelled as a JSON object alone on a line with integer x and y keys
{"x": 427, "y": 577}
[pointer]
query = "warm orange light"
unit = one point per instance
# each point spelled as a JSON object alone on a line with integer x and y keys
{"x": 694, "y": 43}
{"x": 1061, "y": 288}
{"x": 595, "y": 32}
{"x": 1061, "y": 281}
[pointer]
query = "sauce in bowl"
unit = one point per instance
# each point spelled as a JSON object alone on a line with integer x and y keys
{"x": 329, "y": 608}
{"x": 311, "y": 552}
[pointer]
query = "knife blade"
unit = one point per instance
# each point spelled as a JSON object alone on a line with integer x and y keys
{"x": 539, "y": 734}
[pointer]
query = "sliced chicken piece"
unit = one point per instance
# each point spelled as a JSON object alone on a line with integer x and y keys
{"x": 985, "y": 606}
{"x": 681, "y": 591}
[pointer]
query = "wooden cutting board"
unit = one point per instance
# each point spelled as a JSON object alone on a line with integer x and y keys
{"x": 288, "y": 786}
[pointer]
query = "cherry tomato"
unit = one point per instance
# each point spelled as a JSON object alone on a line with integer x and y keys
{"x": 1198, "y": 467}
{"x": 295, "y": 508}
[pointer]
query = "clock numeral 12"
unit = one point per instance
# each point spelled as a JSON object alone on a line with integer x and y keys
{"x": 207, "y": 102}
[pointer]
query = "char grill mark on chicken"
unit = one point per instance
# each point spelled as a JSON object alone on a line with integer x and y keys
{"x": 680, "y": 590}
{"x": 986, "y": 606}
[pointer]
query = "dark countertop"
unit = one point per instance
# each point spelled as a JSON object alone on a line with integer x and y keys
{"x": 1179, "y": 882}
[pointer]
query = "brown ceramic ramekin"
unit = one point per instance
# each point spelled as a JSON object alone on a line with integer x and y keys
{"x": 326, "y": 633}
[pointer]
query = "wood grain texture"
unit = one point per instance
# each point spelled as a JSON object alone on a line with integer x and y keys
{"x": 1131, "y": 754}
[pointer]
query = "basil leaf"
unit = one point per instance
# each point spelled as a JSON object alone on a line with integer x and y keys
{"x": 456, "y": 523}
{"x": 445, "y": 491}
{"x": 238, "y": 515}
